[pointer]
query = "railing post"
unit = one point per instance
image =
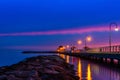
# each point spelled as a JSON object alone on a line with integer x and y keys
{"x": 100, "y": 49}
{"x": 108, "y": 49}
{"x": 103, "y": 49}
{"x": 119, "y": 49}
{"x": 112, "y": 50}
{"x": 116, "y": 49}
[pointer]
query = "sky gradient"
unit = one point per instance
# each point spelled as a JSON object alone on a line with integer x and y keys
{"x": 46, "y": 24}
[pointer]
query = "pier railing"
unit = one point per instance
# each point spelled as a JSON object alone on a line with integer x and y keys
{"x": 114, "y": 49}
{"x": 106, "y": 49}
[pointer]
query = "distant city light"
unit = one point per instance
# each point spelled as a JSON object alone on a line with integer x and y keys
{"x": 68, "y": 46}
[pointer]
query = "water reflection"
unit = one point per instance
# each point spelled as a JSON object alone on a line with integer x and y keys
{"x": 68, "y": 59}
{"x": 79, "y": 69}
{"x": 89, "y": 77}
{"x": 62, "y": 55}
{"x": 92, "y": 71}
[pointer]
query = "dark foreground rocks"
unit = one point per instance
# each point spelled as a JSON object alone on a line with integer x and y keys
{"x": 39, "y": 68}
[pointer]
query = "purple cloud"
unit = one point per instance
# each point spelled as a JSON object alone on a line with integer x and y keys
{"x": 62, "y": 32}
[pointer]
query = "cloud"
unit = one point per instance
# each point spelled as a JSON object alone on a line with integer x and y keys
{"x": 61, "y": 32}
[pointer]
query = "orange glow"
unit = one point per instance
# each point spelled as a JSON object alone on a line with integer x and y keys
{"x": 67, "y": 58}
{"x": 58, "y": 50}
{"x": 62, "y": 56}
{"x": 79, "y": 69}
{"x": 89, "y": 73}
{"x": 61, "y": 49}
{"x": 79, "y": 42}
{"x": 64, "y": 47}
{"x": 89, "y": 38}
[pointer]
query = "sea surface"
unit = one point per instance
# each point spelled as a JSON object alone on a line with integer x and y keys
{"x": 9, "y": 57}
{"x": 85, "y": 69}
{"x": 88, "y": 70}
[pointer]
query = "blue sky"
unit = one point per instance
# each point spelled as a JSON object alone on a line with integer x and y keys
{"x": 21, "y": 16}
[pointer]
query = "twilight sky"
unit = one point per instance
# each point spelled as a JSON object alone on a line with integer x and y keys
{"x": 46, "y": 24}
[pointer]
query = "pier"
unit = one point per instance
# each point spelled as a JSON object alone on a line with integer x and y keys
{"x": 101, "y": 54}
{"x": 96, "y": 56}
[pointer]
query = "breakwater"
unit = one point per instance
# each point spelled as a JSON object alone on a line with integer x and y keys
{"x": 39, "y": 68}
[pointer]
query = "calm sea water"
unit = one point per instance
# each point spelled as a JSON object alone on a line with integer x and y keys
{"x": 88, "y": 70}
{"x": 85, "y": 69}
{"x": 9, "y": 57}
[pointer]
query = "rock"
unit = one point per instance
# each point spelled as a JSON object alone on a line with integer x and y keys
{"x": 11, "y": 77}
{"x": 31, "y": 78}
{"x": 39, "y": 68}
{"x": 33, "y": 73}
{"x": 3, "y": 77}
{"x": 19, "y": 74}
{"x": 49, "y": 71}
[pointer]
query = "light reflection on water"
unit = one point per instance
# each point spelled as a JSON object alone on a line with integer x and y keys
{"x": 87, "y": 70}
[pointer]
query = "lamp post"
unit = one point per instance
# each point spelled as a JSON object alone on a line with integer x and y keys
{"x": 79, "y": 42}
{"x": 110, "y": 33}
{"x": 87, "y": 39}
{"x": 85, "y": 43}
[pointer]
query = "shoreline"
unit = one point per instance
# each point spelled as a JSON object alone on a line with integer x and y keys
{"x": 50, "y": 67}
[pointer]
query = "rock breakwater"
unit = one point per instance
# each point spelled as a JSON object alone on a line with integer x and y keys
{"x": 39, "y": 68}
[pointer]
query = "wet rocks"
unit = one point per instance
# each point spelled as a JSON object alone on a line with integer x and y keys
{"x": 39, "y": 68}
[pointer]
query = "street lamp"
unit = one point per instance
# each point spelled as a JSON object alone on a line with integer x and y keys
{"x": 88, "y": 39}
{"x": 79, "y": 42}
{"x": 110, "y": 32}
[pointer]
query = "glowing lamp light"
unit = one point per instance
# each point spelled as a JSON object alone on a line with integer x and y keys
{"x": 79, "y": 42}
{"x": 89, "y": 38}
{"x": 116, "y": 29}
{"x": 64, "y": 47}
